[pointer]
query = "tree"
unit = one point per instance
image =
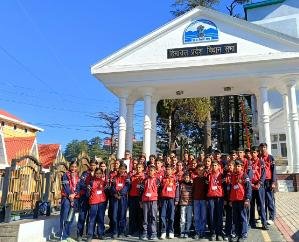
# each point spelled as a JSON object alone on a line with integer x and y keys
{"x": 74, "y": 148}
{"x": 95, "y": 148}
{"x": 183, "y": 6}
{"x": 232, "y": 6}
{"x": 109, "y": 127}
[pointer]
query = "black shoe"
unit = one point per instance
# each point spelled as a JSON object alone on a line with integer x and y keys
{"x": 265, "y": 227}
{"x": 113, "y": 236}
{"x": 196, "y": 236}
{"x": 101, "y": 237}
{"x": 121, "y": 236}
{"x": 219, "y": 238}
{"x": 181, "y": 236}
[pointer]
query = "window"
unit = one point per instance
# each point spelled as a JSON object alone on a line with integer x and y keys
{"x": 15, "y": 127}
{"x": 26, "y": 130}
{"x": 274, "y": 146}
{"x": 282, "y": 137}
{"x": 274, "y": 138}
{"x": 2, "y": 123}
{"x": 283, "y": 149}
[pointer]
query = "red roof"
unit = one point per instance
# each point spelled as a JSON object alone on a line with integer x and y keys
{"x": 47, "y": 154}
{"x": 4, "y": 113}
{"x": 18, "y": 146}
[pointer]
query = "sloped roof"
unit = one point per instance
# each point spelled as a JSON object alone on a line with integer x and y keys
{"x": 262, "y": 4}
{"x": 18, "y": 146}
{"x": 48, "y": 154}
{"x": 10, "y": 117}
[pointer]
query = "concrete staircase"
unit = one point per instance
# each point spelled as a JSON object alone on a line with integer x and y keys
{"x": 9, "y": 232}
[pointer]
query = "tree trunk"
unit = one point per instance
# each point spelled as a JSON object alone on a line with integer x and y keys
{"x": 236, "y": 134}
{"x": 208, "y": 134}
{"x": 226, "y": 125}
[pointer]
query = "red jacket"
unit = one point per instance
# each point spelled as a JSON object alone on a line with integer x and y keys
{"x": 160, "y": 174}
{"x": 150, "y": 189}
{"x": 199, "y": 188}
{"x": 97, "y": 193}
{"x": 136, "y": 181}
{"x": 215, "y": 188}
{"x": 240, "y": 187}
{"x": 168, "y": 187}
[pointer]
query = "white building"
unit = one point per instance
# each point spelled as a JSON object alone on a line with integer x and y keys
{"x": 207, "y": 53}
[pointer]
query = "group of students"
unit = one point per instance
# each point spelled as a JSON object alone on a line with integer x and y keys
{"x": 166, "y": 196}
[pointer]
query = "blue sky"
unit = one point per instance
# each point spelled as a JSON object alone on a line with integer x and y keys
{"x": 47, "y": 48}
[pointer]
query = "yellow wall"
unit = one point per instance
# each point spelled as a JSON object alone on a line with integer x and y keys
{"x": 9, "y": 131}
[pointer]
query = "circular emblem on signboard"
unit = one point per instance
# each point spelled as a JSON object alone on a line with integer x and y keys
{"x": 201, "y": 30}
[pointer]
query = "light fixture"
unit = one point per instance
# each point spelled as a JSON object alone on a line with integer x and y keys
{"x": 227, "y": 89}
{"x": 179, "y": 92}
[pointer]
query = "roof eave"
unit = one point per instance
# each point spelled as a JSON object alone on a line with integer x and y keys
{"x": 21, "y": 123}
{"x": 262, "y": 4}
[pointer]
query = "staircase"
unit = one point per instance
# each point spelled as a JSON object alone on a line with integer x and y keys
{"x": 9, "y": 232}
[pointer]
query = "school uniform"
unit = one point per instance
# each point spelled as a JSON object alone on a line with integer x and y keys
{"x": 177, "y": 210}
{"x": 168, "y": 197}
{"x": 135, "y": 212}
{"x": 270, "y": 178}
{"x": 69, "y": 183}
{"x": 120, "y": 187}
{"x": 258, "y": 192}
{"x": 199, "y": 194}
{"x": 215, "y": 202}
{"x": 83, "y": 202}
{"x": 111, "y": 176}
{"x": 239, "y": 193}
{"x": 186, "y": 208}
{"x": 97, "y": 202}
{"x": 149, "y": 198}
{"x": 228, "y": 209}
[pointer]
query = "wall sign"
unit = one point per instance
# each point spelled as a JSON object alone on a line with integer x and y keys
{"x": 202, "y": 50}
{"x": 201, "y": 30}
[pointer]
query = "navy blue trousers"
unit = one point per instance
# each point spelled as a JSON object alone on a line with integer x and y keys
{"x": 240, "y": 219}
{"x": 269, "y": 200}
{"x": 258, "y": 198}
{"x": 119, "y": 214}
{"x": 167, "y": 215}
{"x": 83, "y": 214}
{"x": 97, "y": 215}
{"x": 135, "y": 216}
{"x": 228, "y": 219}
{"x": 215, "y": 206}
{"x": 65, "y": 226}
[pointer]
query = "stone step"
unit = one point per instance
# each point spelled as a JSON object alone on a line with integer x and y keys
{"x": 8, "y": 239}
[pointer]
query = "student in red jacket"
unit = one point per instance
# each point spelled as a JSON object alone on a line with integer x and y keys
{"x": 215, "y": 200}
{"x": 135, "y": 212}
{"x": 96, "y": 192}
{"x": 149, "y": 203}
{"x": 119, "y": 190}
{"x": 240, "y": 195}
{"x": 258, "y": 190}
{"x": 168, "y": 199}
{"x": 199, "y": 194}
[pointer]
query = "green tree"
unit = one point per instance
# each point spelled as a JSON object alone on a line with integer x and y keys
{"x": 74, "y": 148}
{"x": 95, "y": 148}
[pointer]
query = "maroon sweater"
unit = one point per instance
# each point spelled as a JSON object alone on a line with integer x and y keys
{"x": 200, "y": 188}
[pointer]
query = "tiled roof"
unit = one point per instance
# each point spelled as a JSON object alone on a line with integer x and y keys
{"x": 4, "y": 113}
{"x": 7, "y": 116}
{"x": 18, "y": 146}
{"x": 47, "y": 154}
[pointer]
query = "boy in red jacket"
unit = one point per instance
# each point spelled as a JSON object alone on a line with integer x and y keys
{"x": 97, "y": 200}
{"x": 240, "y": 195}
{"x": 135, "y": 212}
{"x": 119, "y": 190}
{"x": 215, "y": 200}
{"x": 168, "y": 198}
{"x": 149, "y": 204}
{"x": 199, "y": 194}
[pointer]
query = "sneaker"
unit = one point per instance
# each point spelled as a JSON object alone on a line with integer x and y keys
{"x": 121, "y": 235}
{"x": 270, "y": 222}
{"x": 265, "y": 227}
{"x": 213, "y": 237}
{"x": 113, "y": 236}
{"x": 225, "y": 238}
{"x": 163, "y": 236}
{"x": 196, "y": 236}
{"x": 153, "y": 238}
{"x": 171, "y": 236}
{"x": 186, "y": 236}
{"x": 219, "y": 238}
{"x": 181, "y": 236}
{"x": 143, "y": 237}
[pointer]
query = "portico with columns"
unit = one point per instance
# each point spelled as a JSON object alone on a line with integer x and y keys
{"x": 251, "y": 59}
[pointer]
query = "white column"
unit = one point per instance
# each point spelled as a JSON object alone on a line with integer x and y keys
{"x": 130, "y": 129}
{"x": 260, "y": 127}
{"x": 122, "y": 126}
{"x": 154, "y": 127}
{"x": 265, "y": 117}
{"x": 147, "y": 124}
{"x": 255, "y": 126}
{"x": 288, "y": 131}
{"x": 294, "y": 124}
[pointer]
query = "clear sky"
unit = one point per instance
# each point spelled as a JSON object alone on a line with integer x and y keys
{"x": 47, "y": 48}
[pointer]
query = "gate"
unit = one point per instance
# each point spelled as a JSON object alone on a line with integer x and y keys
{"x": 56, "y": 173}
{"x": 23, "y": 185}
